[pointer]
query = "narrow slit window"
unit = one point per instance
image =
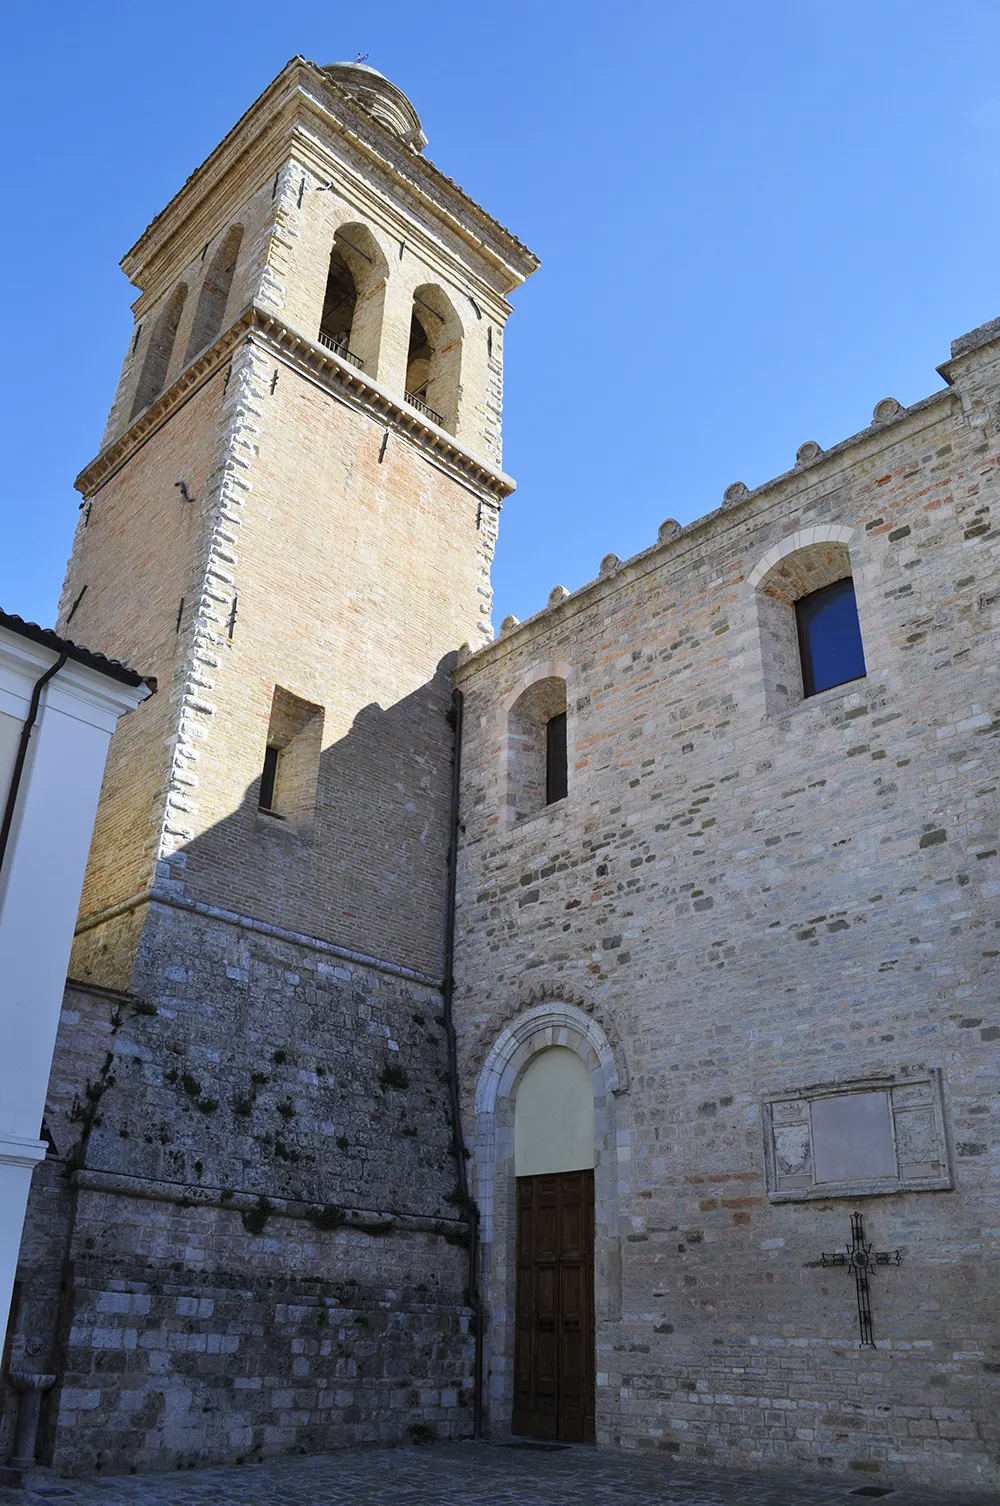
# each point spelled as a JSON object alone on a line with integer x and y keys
{"x": 289, "y": 779}
{"x": 268, "y": 780}
{"x": 830, "y": 647}
{"x": 556, "y": 783}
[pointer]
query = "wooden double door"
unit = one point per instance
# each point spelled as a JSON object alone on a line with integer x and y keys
{"x": 554, "y": 1359}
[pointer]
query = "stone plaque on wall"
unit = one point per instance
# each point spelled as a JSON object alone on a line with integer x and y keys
{"x": 857, "y": 1138}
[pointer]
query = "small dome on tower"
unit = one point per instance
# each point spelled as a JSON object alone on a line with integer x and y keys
{"x": 381, "y": 98}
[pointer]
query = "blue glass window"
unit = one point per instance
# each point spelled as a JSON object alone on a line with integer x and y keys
{"x": 830, "y": 637}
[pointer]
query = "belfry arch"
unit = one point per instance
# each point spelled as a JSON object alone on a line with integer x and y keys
{"x": 434, "y": 357}
{"x": 214, "y": 295}
{"x": 537, "y": 1033}
{"x": 156, "y": 364}
{"x": 351, "y": 323}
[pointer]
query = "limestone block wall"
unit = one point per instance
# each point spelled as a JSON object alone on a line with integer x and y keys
{"x": 248, "y": 1238}
{"x": 743, "y": 896}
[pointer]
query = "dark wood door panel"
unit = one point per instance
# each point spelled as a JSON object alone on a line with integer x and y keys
{"x": 554, "y": 1306}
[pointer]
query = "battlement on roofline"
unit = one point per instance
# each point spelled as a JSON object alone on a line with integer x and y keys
{"x": 814, "y": 466}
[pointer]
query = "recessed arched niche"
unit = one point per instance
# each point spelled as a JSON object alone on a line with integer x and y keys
{"x": 554, "y": 1115}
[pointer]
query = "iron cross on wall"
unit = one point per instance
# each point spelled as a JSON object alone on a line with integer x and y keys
{"x": 862, "y": 1260}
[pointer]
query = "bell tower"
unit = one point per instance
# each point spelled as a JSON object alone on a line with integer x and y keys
{"x": 290, "y": 524}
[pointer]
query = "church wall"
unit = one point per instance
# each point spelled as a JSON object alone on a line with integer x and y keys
{"x": 748, "y": 903}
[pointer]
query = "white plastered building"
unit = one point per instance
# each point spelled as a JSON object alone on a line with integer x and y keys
{"x": 59, "y": 705}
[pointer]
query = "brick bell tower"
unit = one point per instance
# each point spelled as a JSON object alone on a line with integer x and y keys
{"x": 290, "y": 524}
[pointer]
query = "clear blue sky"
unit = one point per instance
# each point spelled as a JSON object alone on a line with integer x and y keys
{"x": 755, "y": 220}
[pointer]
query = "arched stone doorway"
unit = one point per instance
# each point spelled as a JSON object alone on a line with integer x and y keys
{"x": 567, "y": 1114}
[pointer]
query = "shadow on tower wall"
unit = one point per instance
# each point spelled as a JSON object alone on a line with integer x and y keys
{"x": 254, "y": 1174}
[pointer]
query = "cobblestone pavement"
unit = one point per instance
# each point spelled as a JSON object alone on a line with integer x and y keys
{"x": 473, "y": 1474}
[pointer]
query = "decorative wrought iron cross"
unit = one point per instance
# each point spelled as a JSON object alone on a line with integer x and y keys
{"x": 862, "y": 1260}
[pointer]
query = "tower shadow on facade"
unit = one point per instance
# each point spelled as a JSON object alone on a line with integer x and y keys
{"x": 253, "y": 1213}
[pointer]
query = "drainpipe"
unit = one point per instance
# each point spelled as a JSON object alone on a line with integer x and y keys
{"x": 457, "y": 1139}
{"x": 22, "y": 753}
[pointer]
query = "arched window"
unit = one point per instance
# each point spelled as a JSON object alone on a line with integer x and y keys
{"x": 158, "y": 351}
{"x": 434, "y": 357}
{"x": 810, "y": 633}
{"x": 536, "y": 749}
{"x": 353, "y": 303}
{"x": 214, "y": 294}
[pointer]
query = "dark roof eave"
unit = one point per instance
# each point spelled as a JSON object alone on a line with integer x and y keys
{"x": 48, "y": 638}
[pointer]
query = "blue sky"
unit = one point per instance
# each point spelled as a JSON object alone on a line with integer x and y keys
{"x": 755, "y": 221}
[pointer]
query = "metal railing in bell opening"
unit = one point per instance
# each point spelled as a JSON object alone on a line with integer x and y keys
{"x": 339, "y": 348}
{"x": 425, "y": 408}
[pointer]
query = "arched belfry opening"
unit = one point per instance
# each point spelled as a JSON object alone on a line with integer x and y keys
{"x": 434, "y": 357}
{"x": 354, "y": 298}
{"x": 339, "y": 303}
{"x": 214, "y": 294}
{"x": 156, "y": 364}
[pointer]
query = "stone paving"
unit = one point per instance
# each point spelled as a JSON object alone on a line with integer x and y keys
{"x": 477, "y": 1474}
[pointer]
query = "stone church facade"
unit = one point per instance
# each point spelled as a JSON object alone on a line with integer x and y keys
{"x": 402, "y": 1091}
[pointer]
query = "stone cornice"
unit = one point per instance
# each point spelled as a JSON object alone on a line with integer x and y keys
{"x": 256, "y": 143}
{"x": 321, "y": 365}
{"x": 819, "y": 474}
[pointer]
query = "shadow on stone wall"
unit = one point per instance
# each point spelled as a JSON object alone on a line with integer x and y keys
{"x": 250, "y": 1239}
